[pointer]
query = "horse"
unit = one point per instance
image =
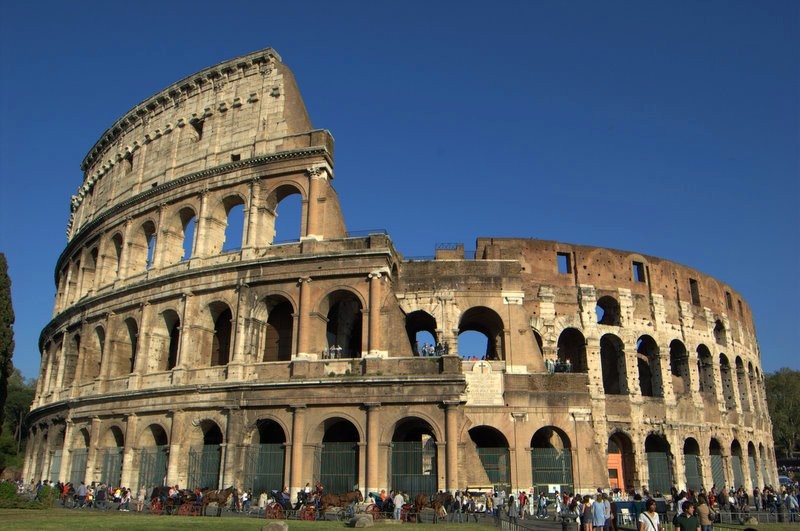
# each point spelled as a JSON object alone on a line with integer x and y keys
{"x": 220, "y": 497}
{"x": 340, "y": 500}
{"x": 435, "y": 501}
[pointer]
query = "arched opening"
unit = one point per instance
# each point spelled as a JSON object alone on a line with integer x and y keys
{"x": 751, "y": 465}
{"x": 113, "y": 257}
{"x": 125, "y": 348}
{"x": 265, "y": 458}
{"x": 720, "y": 335}
{"x": 421, "y": 331}
{"x": 736, "y": 464}
{"x": 79, "y": 454}
{"x": 608, "y": 311}
{"x": 288, "y": 215}
{"x": 493, "y": 452}
{"x": 679, "y": 368}
{"x": 754, "y": 394}
{"x": 89, "y": 270}
{"x": 727, "y": 382}
{"x": 172, "y": 327}
{"x": 188, "y": 224}
{"x": 486, "y": 322}
{"x": 691, "y": 464}
{"x": 153, "y": 457}
{"x": 111, "y": 447}
{"x": 551, "y": 460}
{"x": 73, "y": 287}
{"x": 278, "y": 334}
{"x": 717, "y": 468}
{"x": 204, "y": 459}
{"x": 71, "y": 357}
{"x": 659, "y": 464}
{"x": 146, "y": 254}
{"x": 705, "y": 370}
{"x": 93, "y": 355}
{"x": 572, "y": 350}
{"x": 234, "y": 225}
{"x": 414, "y": 463}
{"x": 56, "y": 452}
{"x": 741, "y": 382}
{"x": 221, "y": 339}
{"x": 344, "y": 329}
{"x": 338, "y": 457}
{"x": 620, "y": 461}
{"x": 647, "y": 359}
{"x": 612, "y": 360}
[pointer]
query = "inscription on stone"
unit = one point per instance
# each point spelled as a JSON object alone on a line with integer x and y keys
{"x": 484, "y": 387}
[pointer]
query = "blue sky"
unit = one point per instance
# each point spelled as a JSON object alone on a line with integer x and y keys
{"x": 667, "y": 128}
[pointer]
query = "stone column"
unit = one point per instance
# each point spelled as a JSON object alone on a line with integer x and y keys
{"x": 451, "y": 449}
{"x": 91, "y": 458}
{"x": 124, "y": 259}
{"x": 230, "y": 473}
{"x": 176, "y": 420}
{"x": 201, "y": 235}
{"x": 374, "y": 337}
{"x": 298, "y": 431}
{"x": 62, "y": 362}
{"x": 315, "y": 177}
{"x": 128, "y": 453}
{"x": 303, "y": 317}
{"x": 373, "y": 443}
{"x": 161, "y": 239}
{"x": 251, "y": 228}
{"x": 237, "y": 361}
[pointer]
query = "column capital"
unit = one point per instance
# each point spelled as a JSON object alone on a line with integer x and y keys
{"x": 304, "y": 280}
{"x": 371, "y": 405}
{"x": 298, "y": 407}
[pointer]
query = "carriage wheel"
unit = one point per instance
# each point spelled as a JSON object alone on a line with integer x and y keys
{"x": 185, "y": 509}
{"x": 375, "y": 511}
{"x": 280, "y": 514}
{"x": 156, "y": 507}
{"x": 307, "y": 513}
{"x": 405, "y": 513}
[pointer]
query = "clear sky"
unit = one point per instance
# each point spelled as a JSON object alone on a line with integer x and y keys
{"x": 666, "y": 128}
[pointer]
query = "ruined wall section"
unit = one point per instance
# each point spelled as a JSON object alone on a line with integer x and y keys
{"x": 233, "y": 111}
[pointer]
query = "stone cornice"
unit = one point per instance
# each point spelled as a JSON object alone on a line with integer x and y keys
{"x": 78, "y": 239}
{"x": 176, "y": 90}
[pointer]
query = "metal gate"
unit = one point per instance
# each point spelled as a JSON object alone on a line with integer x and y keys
{"x": 78, "y": 469}
{"x": 660, "y": 471}
{"x": 717, "y": 471}
{"x": 264, "y": 467}
{"x": 738, "y": 475}
{"x": 204, "y": 466}
{"x": 339, "y": 466}
{"x": 751, "y": 462}
{"x": 111, "y": 469}
{"x": 551, "y": 466}
{"x": 55, "y": 466}
{"x": 414, "y": 467}
{"x": 153, "y": 466}
{"x": 496, "y": 464}
{"x": 692, "y": 467}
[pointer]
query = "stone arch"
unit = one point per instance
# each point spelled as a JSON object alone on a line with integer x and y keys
{"x": 111, "y": 447}
{"x": 278, "y": 329}
{"x": 265, "y": 456}
{"x": 737, "y": 464}
{"x": 141, "y": 248}
{"x": 90, "y": 280}
{"x": 693, "y": 470}
{"x": 551, "y": 459}
{"x": 417, "y": 322}
{"x": 717, "y": 466}
{"x": 344, "y": 310}
{"x": 280, "y": 194}
{"x": 612, "y": 360}
{"x": 720, "y": 334}
{"x": 153, "y": 444}
{"x": 126, "y": 345}
{"x": 679, "y": 368}
{"x": 178, "y": 235}
{"x": 608, "y": 311}
{"x": 728, "y": 391}
{"x": 112, "y": 257}
{"x": 205, "y": 454}
{"x": 741, "y": 384}
{"x": 221, "y": 333}
{"x": 78, "y": 455}
{"x": 338, "y": 457}
{"x": 705, "y": 371}
{"x": 751, "y": 464}
{"x": 659, "y": 463}
{"x": 93, "y": 350}
{"x": 165, "y": 342}
{"x": 572, "y": 350}
{"x": 71, "y": 357}
{"x": 218, "y": 227}
{"x": 755, "y": 395}
{"x": 436, "y": 431}
{"x": 487, "y": 322}
{"x": 649, "y": 366}
{"x": 154, "y": 434}
{"x": 414, "y": 463}
{"x": 621, "y": 463}
{"x": 74, "y": 276}
{"x": 494, "y": 455}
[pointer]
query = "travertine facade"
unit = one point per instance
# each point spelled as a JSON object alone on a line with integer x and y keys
{"x": 174, "y": 356}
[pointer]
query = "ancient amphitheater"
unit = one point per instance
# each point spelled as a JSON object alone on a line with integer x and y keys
{"x": 178, "y": 355}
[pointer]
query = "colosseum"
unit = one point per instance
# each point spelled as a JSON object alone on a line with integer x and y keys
{"x": 186, "y": 348}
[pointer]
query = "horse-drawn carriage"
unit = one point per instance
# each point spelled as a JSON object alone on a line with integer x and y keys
{"x": 281, "y": 507}
{"x": 189, "y": 503}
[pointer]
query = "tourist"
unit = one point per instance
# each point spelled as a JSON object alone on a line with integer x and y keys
{"x": 687, "y": 521}
{"x": 648, "y": 520}
{"x": 705, "y": 513}
{"x": 398, "y": 505}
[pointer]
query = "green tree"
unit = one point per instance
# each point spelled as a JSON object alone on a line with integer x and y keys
{"x": 6, "y": 334}
{"x": 783, "y": 399}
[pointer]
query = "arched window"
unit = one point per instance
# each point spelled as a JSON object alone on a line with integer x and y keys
{"x": 612, "y": 359}
{"x": 221, "y": 340}
{"x": 720, "y": 335}
{"x": 741, "y": 382}
{"x": 488, "y": 324}
{"x": 679, "y": 368}
{"x": 647, "y": 356}
{"x": 727, "y": 382}
{"x": 705, "y": 370}
{"x": 172, "y": 324}
{"x": 608, "y": 311}
{"x": 93, "y": 355}
{"x": 188, "y": 224}
{"x": 71, "y": 360}
{"x": 421, "y": 330}
{"x": 278, "y": 337}
{"x": 284, "y": 216}
{"x": 344, "y": 327}
{"x": 572, "y": 350}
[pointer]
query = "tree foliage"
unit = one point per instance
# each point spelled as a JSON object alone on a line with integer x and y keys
{"x": 6, "y": 334}
{"x": 783, "y": 399}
